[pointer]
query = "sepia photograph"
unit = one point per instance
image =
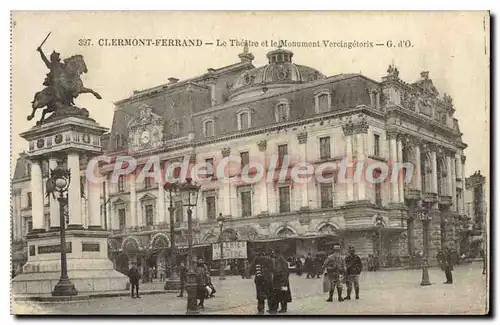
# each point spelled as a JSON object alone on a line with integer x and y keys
{"x": 246, "y": 163}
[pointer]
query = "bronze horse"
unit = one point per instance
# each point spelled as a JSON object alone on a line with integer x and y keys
{"x": 69, "y": 88}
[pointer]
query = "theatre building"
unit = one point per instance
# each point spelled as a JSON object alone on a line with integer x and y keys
{"x": 277, "y": 110}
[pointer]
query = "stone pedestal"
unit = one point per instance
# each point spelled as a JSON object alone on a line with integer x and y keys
{"x": 70, "y": 140}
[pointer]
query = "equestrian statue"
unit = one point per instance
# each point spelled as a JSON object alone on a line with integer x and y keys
{"x": 62, "y": 86}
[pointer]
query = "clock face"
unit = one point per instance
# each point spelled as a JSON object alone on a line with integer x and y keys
{"x": 145, "y": 137}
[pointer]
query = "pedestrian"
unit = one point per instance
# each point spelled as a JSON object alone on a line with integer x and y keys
{"x": 209, "y": 283}
{"x": 246, "y": 270}
{"x": 134, "y": 276}
{"x": 281, "y": 284}
{"x": 308, "y": 265}
{"x": 162, "y": 270}
{"x": 298, "y": 265}
{"x": 353, "y": 270}
{"x": 183, "y": 276}
{"x": 334, "y": 267}
{"x": 263, "y": 267}
{"x": 201, "y": 282}
{"x": 448, "y": 265}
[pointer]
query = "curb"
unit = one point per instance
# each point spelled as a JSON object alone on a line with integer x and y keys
{"x": 87, "y": 296}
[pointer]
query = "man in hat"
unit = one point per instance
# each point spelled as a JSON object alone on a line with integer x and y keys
{"x": 263, "y": 280}
{"x": 353, "y": 270}
{"x": 201, "y": 281}
{"x": 447, "y": 265}
{"x": 334, "y": 267}
{"x": 134, "y": 276}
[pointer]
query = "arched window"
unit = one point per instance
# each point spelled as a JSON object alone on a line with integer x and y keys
{"x": 282, "y": 111}
{"x": 121, "y": 183}
{"x": 244, "y": 121}
{"x": 323, "y": 101}
{"x": 209, "y": 128}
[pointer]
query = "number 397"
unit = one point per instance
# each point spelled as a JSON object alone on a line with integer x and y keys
{"x": 84, "y": 42}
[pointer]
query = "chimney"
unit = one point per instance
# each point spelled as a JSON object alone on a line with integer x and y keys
{"x": 172, "y": 80}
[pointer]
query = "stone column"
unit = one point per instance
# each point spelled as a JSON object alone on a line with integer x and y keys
{"x": 94, "y": 204}
{"x": 462, "y": 170}
{"x": 302, "y": 139}
{"x": 264, "y": 205}
{"x": 160, "y": 213}
{"x": 74, "y": 192}
{"x": 133, "y": 201}
{"x": 453, "y": 184}
{"x": 393, "y": 156}
{"x": 401, "y": 189}
{"x": 418, "y": 171}
{"x": 226, "y": 187}
{"x": 37, "y": 194}
{"x": 434, "y": 179}
{"x": 350, "y": 185}
{"x": 53, "y": 203}
{"x": 360, "y": 160}
{"x": 449, "y": 179}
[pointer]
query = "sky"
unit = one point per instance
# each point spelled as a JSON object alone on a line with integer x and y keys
{"x": 452, "y": 46}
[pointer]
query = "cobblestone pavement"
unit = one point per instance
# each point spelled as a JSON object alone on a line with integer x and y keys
{"x": 383, "y": 292}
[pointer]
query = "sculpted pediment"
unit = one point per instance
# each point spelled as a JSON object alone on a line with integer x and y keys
{"x": 146, "y": 130}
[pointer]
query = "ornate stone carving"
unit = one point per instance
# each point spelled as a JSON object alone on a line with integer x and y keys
{"x": 302, "y": 137}
{"x": 409, "y": 100}
{"x": 392, "y": 135}
{"x": 463, "y": 158}
{"x": 262, "y": 145}
{"x": 447, "y": 99}
{"x": 192, "y": 158}
{"x": 392, "y": 72}
{"x": 226, "y": 152}
{"x": 357, "y": 127}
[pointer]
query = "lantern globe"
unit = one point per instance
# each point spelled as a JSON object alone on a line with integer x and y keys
{"x": 61, "y": 183}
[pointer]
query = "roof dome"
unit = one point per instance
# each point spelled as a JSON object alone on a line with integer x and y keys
{"x": 280, "y": 73}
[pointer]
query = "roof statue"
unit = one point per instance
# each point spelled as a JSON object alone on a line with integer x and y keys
{"x": 62, "y": 85}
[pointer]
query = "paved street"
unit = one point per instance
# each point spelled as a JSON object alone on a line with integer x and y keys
{"x": 383, "y": 292}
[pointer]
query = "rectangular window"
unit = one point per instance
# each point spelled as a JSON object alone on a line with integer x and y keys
{"x": 149, "y": 215}
{"x": 29, "y": 225}
{"x": 47, "y": 221}
{"x": 121, "y": 218}
{"x": 324, "y": 148}
{"x": 210, "y": 166}
{"x": 245, "y": 158}
{"x": 178, "y": 212}
{"x": 82, "y": 186}
{"x": 121, "y": 183}
{"x": 378, "y": 194}
{"x": 28, "y": 196}
{"x": 148, "y": 182}
{"x": 326, "y": 195}
{"x": 376, "y": 145}
{"x": 282, "y": 152}
{"x": 284, "y": 199}
{"x": 211, "y": 211}
{"x": 246, "y": 203}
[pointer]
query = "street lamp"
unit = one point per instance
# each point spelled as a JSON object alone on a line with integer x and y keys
{"x": 173, "y": 282}
{"x": 189, "y": 195}
{"x": 220, "y": 221}
{"x": 425, "y": 217}
{"x": 59, "y": 181}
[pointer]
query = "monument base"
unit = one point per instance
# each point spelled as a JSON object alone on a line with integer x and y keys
{"x": 89, "y": 267}
{"x": 172, "y": 284}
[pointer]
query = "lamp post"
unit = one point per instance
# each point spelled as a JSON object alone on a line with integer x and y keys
{"x": 220, "y": 221}
{"x": 173, "y": 282}
{"x": 59, "y": 181}
{"x": 424, "y": 217}
{"x": 189, "y": 195}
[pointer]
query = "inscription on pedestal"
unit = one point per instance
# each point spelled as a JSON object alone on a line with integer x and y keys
{"x": 49, "y": 249}
{"x": 91, "y": 247}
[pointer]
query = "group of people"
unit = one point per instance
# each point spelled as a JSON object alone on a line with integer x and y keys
{"x": 272, "y": 282}
{"x": 339, "y": 270}
{"x": 313, "y": 266}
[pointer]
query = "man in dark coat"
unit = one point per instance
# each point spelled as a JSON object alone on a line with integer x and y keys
{"x": 448, "y": 265}
{"x": 263, "y": 280}
{"x": 183, "y": 277}
{"x": 202, "y": 276}
{"x": 134, "y": 276}
{"x": 281, "y": 284}
{"x": 308, "y": 265}
{"x": 353, "y": 270}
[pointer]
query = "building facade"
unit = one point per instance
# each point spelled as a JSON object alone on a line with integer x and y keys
{"x": 277, "y": 110}
{"x": 475, "y": 201}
